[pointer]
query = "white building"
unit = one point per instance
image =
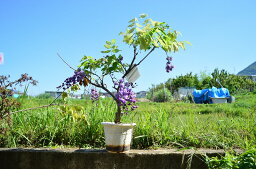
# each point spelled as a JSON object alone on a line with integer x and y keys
{"x": 252, "y": 77}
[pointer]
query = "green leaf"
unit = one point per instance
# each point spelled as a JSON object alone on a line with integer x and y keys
{"x": 75, "y": 87}
{"x": 175, "y": 47}
{"x": 92, "y": 60}
{"x": 143, "y": 15}
{"x": 177, "y": 33}
{"x": 133, "y": 20}
{"x": 155, "y": 43}
{"x": 64, "y": 95}
{"x": 128, "y": 38}
{"x": 106, "y": 51}
{"x": 115, "y": 65}
{"x": 111, "y": 69}
{"x": 138, "y": 25}
{"x": 182, "y": 45}
{"x": 121, "y": 33}
{"x": 108, "y": 42}
{"x": 88, "y": 57}
{"x": 139, "y": 30}
{"x": 187, "y": 42}
{"x": 107, "y": 46}
{"x": 131, "y": 25}
{"x": 114, "y": 47}
{"x": 113, "y": 41}
{"x": 130, "y": 41}
{"x": 147, "y": 21}
{"x": 116, "y": 50}
{"x": 131, "y": 30}
{"x": 160, "y": 41}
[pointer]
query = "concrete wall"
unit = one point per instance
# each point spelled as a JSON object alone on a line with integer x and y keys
{"x": 100, "y": 159}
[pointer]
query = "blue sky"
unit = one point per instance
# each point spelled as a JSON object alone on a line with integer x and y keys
{"x": 222, "y": 33}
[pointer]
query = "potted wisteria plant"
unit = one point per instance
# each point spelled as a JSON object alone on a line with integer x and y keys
{"x": 144, "y": 35}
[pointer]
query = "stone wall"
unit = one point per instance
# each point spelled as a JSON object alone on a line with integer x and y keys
{"x": 19, "y": 158}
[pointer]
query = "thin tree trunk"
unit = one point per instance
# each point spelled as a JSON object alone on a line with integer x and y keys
{"x": 118, "y": 114}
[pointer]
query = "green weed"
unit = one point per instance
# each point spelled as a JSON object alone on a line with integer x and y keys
{"x": 168, "y": 124}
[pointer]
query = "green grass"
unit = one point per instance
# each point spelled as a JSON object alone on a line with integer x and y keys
{"x": 179, "y": 125}
{"x": 246, "y": 160}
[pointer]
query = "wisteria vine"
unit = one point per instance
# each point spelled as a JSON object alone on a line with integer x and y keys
{"x": 94, "y": 95}
{"x": 76, "y": 78}
{"x": 169, "y": 65}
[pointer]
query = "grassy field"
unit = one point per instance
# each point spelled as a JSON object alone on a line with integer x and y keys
{"x": 179, "y": 125}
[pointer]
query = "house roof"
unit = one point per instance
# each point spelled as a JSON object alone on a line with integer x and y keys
{"x": 248, "y": 71}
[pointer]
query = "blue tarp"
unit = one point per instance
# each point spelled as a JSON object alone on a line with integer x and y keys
{"x": 203, "y": 96}
{"x": 15, "y": 95}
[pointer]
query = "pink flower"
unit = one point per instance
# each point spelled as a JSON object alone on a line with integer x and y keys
{"x": 1, "y": 58}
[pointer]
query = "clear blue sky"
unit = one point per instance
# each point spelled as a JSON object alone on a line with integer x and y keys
{"x": 222, "y": 33}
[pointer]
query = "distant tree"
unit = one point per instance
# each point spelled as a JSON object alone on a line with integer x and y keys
{"x": 188, "y": 80}
{"x": 44, "y": 96}
{"x": 161, "y": 95}
{"x": 218, "y": 78}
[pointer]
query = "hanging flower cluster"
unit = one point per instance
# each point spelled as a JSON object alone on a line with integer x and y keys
{"x": 77, "y": 77}
{"x": 94, "y": 95}
{"x": 125, "y": 95}
{"x": 169, "y": 65}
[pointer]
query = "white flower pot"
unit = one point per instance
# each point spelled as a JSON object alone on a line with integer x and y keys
{"x": 118, "y": 137}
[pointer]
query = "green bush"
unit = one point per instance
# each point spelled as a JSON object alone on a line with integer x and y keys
{"x": 246, "y": 160}
{"x": 188, "y": 80}
{"x": 162, "y": 95}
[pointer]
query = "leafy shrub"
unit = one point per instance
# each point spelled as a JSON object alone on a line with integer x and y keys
{"x": 246, "y": 160}
{"x": 188, "y": 80}
{"x": 162, "y": 95}
{"x": 7, "y": 103}
{"x": 234, "y": 83}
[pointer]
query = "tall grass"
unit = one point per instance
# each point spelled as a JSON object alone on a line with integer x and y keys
{"x": 158, "y": 124}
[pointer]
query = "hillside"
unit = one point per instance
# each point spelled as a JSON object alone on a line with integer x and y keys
{"x": 250, "y": 70}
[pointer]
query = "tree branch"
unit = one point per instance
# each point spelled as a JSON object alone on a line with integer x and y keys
{"x": 134, "y": 55}
{"x": 146, "y": 55}
{"x": 134, "y": 65}
{"x": 48, "y": 105}
{"x": 65, "y": 62}
{"x": 106, "y": 89}
{"x": 131, "y": 66}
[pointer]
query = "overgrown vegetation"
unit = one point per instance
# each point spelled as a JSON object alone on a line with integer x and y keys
{"x": 7, "y": 103}
{"x": 161, "y": 95}
{"x": 235, "y": 84}
{"x": 158, "y": 124}
{"x": 246, "y": 160}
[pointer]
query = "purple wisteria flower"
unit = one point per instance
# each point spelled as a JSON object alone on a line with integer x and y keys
{"x": 125, "y": 95}
{"x": 169, "y": 65}
{"x": 77, "y": 77}
{"x": 94, "y": 95}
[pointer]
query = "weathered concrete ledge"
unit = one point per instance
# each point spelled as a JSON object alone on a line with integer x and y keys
{"x": 24, "y": 158}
